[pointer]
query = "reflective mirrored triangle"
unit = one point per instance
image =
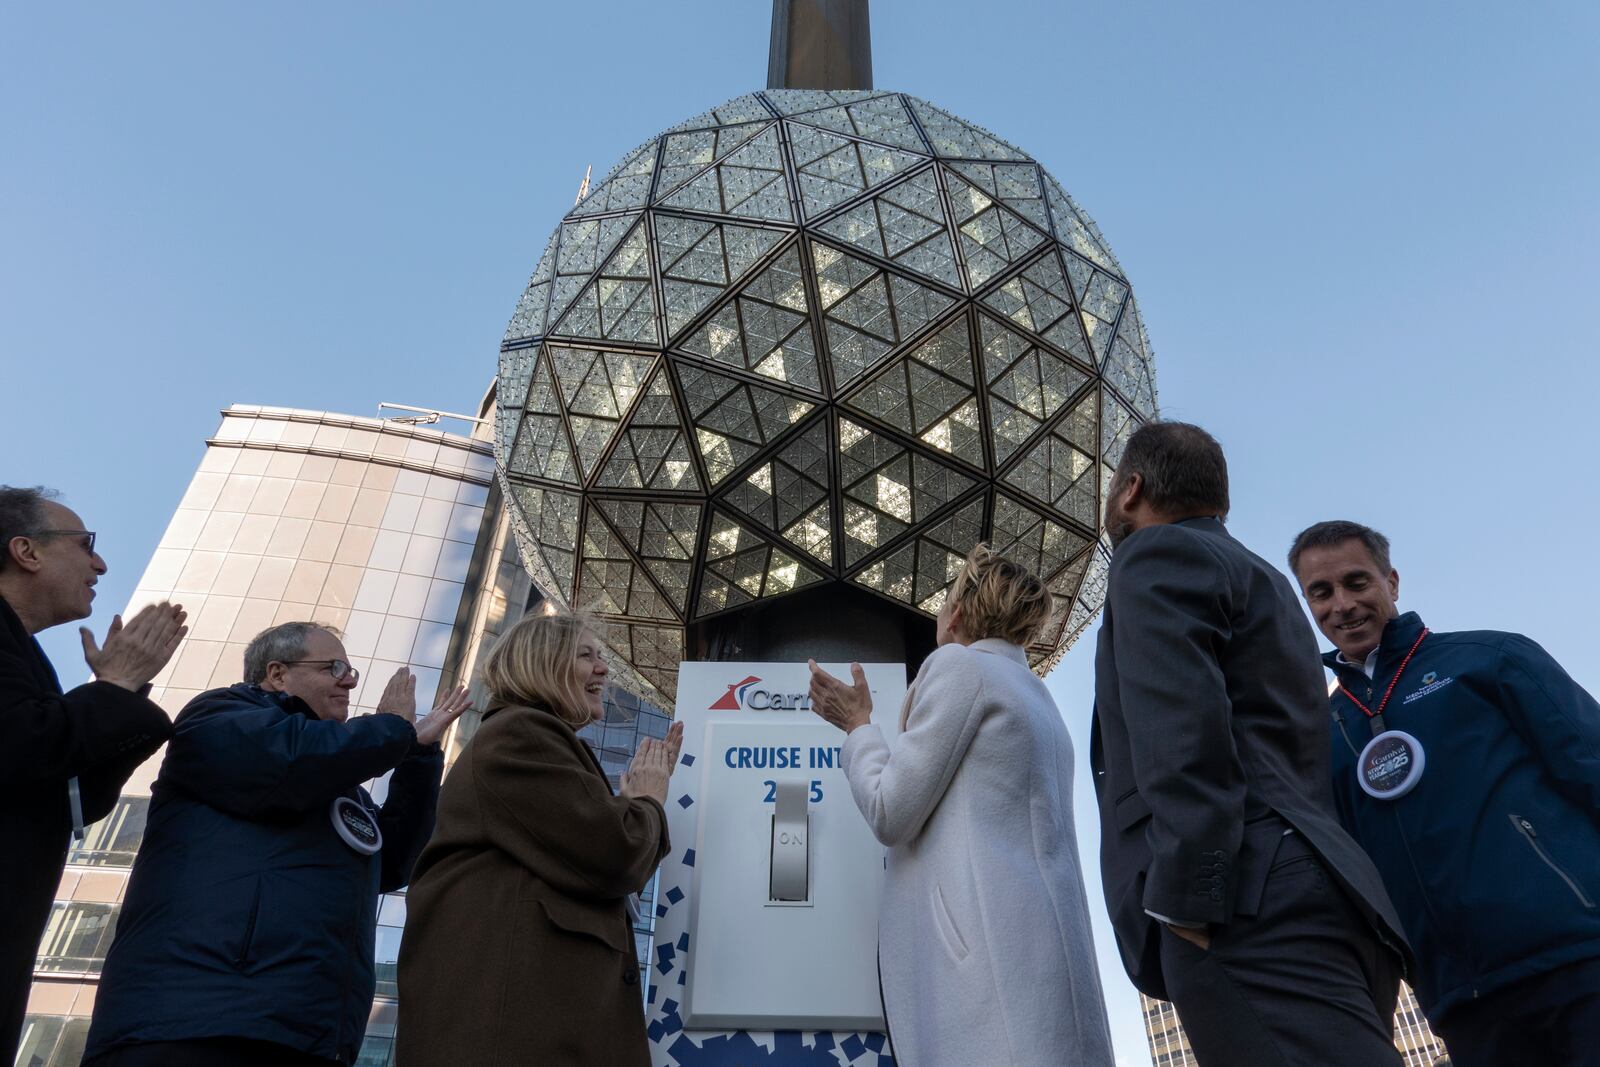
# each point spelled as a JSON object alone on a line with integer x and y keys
{"x": 1039, "y": 298}
{"x": 832, "y": 168}
{"x": 610, "y": 582}
{"x": 1117, "y": 424}
{"x": 1129, "y": 367}
{"x": 942, "y": 550}
{"x": 542, "y": 451}
{"x": 686, "y": 154}
{"x": 794, "y": 101}
{"x": 626, "y": 187}
{"x": 1016, "y": 185}
{"x": 700, "y": 259}
{"x": 620, "y": 304}
{"x": 1057, "y": 474}
{"x": 920, "y": 572}
{"x": 1063, "y": 588}
{"x": 766, "y": 329}
{"x": 888, "y": 488}
{"x": 957, "y": 138}
{"x": 528, "y": 319}
{"x": 746, "y": 108}
{"x": 663, "y": 536}
{"x": 771, "y": 341}
{"x": 584, "y": 244}
{"x": 928, "y": 393}
{"x": 1075, "y": 229}
{"x": 993, "y": 237}
{"x": 516, "y": 374}
{"x": 655, "y": 654}
{"x": 1027, "y": 385}
{"x": 743, "y": 566}
{"x": 1034, "y": 540}
{"x": 786, "y": 492}
{"x": 1100, "y": 298}
{"x": 652, "y": 452}
{"x": 547, "y": 535}
{"x": 882, "y": 227}
{"x": 882, "y": 118}
{"x": 734, "y": 419}
{"x": 597, "y": 387}
{"x": 1091, "y": 595}
{"x": 749, "y": 182}
{"x": 868, "y": 312}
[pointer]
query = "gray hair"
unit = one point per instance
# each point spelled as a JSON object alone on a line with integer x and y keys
{"x": 1337, "y": 532}
{"x": 282, "y": 643}
{"x": 21, "y": 514}
{"x": 1183, "y": 469}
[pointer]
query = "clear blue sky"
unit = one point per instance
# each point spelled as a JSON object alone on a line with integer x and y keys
{"x": 1364, "y": 237}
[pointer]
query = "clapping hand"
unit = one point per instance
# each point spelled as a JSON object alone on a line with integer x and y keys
{"x": 400, "y": 696}
{"x": 446, "y": 710}
{"x": 845, "y": 706}
{"x": 135, "y": 653}
{"x": 648, "y": 774}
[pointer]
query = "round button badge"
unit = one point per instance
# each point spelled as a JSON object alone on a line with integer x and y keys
{"x": 1391, "y": 765}
{"x": 356, "y": 826}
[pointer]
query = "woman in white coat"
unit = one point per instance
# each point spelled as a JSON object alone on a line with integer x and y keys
{"x": 984, "y": 947}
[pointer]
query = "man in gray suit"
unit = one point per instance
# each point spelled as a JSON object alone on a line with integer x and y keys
{"x": 1232, "y": 889}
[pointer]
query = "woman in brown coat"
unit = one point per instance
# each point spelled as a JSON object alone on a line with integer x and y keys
{"x": 517, "y": 949}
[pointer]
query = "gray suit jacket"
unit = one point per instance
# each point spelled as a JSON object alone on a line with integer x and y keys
{"x": 1211, "y": 733}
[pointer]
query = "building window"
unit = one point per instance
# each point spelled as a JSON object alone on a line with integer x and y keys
{"x": 375, "y": 1051}
{"x": 112, "y": 841}
{"x": 52, "y": 1040}
{"x": 76, "y": 937}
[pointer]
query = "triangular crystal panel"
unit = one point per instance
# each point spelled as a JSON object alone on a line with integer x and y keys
{"x": 956, "y": 138}
{"x": 743, "y": 566}
{"x": 627, "y": 187}
{"x": 868, "y": 312}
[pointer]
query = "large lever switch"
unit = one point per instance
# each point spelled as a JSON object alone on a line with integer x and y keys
{"x": 791, "y": 853}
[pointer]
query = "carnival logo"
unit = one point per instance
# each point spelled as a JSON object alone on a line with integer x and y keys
{"x": 745, "y": 696}
{"x": 733, "y": 699}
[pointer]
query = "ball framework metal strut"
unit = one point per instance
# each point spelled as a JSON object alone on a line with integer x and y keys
{"x": 815, "y": 337}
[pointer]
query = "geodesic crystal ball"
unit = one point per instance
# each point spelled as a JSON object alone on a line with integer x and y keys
{"x": 811, "y": 337}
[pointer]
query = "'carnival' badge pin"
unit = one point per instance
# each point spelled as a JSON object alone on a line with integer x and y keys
{"x": 1391, "y": 765}
{"x": 356, "y": 826}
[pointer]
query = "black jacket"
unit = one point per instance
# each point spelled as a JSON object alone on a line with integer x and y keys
{"x": 1493, "y": 859}
{"x": 99, "y": 733}
{"x": 1210, "y": 735}
{"x": 246, "y": 914}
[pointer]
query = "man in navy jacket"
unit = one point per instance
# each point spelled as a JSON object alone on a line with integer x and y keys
{"x": 247, "y": 933}
{"x": 1480, "y": 806}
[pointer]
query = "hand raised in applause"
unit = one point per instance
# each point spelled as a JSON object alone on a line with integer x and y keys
{"x": 400, "y": 696}
{"x": 647, "y": 775}
{"x": 846, "y": 706}
{"x": 135, "y": 653}
{"x": 447, "y": 709}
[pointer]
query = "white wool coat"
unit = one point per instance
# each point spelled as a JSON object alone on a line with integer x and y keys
{"x": 983, "y": 941}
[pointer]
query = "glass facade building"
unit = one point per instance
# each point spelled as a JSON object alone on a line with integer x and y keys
{"x": 389, "y": 531}
{"x": 1169, "y": 1045}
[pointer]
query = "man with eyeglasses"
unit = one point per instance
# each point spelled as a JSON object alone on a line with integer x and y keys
{"x": 247, "y": 933}
{"x": 64, "y": 757}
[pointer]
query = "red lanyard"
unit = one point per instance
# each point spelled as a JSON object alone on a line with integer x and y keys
{"x": 1377, "y": 716}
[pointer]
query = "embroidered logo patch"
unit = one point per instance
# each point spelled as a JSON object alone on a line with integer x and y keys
{"x": 1431, "y": 683}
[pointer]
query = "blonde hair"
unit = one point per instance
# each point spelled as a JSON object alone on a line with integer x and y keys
{"x": 999, "y": 598}
{"x": 532, "y": 664}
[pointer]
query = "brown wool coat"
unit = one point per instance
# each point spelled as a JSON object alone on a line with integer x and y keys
{"x": 517, "y": 949}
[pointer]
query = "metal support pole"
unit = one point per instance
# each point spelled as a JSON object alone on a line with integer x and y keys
{"x": 820, "y": 44}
